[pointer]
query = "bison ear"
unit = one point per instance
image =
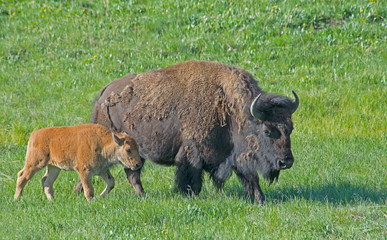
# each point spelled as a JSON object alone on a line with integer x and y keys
{"x": 119, "y": 141}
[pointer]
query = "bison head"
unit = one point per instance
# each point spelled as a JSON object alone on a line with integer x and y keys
{"x": 268, "y": 140}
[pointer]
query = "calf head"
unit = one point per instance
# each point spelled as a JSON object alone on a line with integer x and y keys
{"x": 272, "y": 115}
{"x": 127, "y": 152}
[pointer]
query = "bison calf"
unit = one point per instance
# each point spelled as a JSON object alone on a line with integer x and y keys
{"x": 89, "y": 149}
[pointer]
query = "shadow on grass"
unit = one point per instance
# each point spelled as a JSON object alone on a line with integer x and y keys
{"x": 335, "y": 193}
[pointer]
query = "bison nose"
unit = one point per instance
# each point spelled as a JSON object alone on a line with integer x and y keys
{"x": 287, "y": 162}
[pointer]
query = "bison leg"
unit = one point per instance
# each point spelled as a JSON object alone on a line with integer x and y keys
{"x": 134, "y": 179}
{"x": 218, "y": 183}
{"x": 251, "y": 186}
{"x": 109, "y": 179}
{"x": 189, "y": 170}
{"x": 48, "y": 181}
{"x": 220, "y": 174}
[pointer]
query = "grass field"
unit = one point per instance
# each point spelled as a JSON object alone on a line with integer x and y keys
{"x": 55, "y": 56}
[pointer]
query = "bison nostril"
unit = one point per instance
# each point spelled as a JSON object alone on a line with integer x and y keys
{"x": 281, "y": 164}
{"x": 286, "y": 163}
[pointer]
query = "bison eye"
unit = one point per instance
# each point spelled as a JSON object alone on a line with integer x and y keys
{"x": 266, "y": 132}
{"x": 271, "y": 132}
{"x": 129, "y": 150}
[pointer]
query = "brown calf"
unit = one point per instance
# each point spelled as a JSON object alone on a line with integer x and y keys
{"x": 89, "y": 149}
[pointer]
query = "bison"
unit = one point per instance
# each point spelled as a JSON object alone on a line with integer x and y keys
{"x": 89, "y": 149}
{"x": 201, "y": 116}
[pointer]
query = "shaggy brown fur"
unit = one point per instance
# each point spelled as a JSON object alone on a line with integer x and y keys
{"x": 200, "y": 93}
{"x": 196, "y": 115}
{"x": 89, "y": 149}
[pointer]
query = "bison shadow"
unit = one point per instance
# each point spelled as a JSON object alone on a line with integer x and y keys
{"x": 335, "y": 193}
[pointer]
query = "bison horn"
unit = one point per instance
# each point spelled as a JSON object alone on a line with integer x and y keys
{"x": 253, "y": 111}
{"x": 295, "y": 103}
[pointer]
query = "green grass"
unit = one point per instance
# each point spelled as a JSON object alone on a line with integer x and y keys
{"x": 56, "y": 56}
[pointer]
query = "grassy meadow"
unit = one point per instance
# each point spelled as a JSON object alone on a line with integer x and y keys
{"x": 55, "y": 57}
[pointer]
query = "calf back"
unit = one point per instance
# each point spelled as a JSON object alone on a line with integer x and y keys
{"x": 66, "y": 147}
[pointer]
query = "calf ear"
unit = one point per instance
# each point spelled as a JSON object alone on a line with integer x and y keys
{"x": 119, "y": 141}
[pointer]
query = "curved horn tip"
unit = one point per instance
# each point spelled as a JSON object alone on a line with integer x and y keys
{"x": 295, "y": 95}
{"x": 296, "y": 101}
{"x": 252, "y": 106}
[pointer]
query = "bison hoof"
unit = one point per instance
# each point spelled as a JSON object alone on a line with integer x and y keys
{"x": 261, "y": 200}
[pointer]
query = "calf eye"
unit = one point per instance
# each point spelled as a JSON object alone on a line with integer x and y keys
{"x": 129, "y": 150}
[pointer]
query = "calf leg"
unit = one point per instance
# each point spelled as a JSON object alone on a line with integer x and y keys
{"x": 44, "y": 178}
{"x": 251, "y": 186}
{"x": 48, "y": 181}
{"x": 132, "y": 176}
{"x": 23, "y": 176}
{"x": 189, "y": 169}
{"x": 79, "y": 187}
{"x": 35, "y": 160}
{"x": 88, "y": 189}
{"x": 109, "y": 179}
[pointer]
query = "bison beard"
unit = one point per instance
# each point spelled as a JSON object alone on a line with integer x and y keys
{"x": 196, "y": 115}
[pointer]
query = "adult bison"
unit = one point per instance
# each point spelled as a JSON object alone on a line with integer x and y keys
{"x": 201, "y": 116}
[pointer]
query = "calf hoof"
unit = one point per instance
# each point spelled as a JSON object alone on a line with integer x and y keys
{"x": 78, "y": 188}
